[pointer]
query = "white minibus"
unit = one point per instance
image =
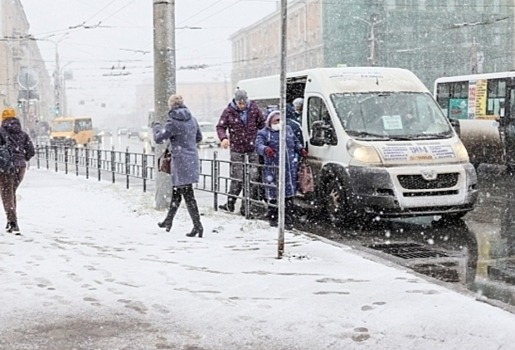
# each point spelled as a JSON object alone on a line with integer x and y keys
{"x": 379, "y": 144}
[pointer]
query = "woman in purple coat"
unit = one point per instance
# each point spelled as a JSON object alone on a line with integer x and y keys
{"x": 22, "y": 150}
{"x": 182, "y": 129}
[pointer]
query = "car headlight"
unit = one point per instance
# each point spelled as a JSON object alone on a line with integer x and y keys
{"x": 461, "y": 152}
{"x": 363, "y": 153}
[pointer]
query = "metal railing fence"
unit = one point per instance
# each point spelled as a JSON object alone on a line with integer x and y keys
{"x": 138, "y": 167}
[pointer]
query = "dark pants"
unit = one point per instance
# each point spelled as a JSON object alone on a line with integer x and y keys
{"x": 178, "y": 193}
{"x": 237, "y": 174}
{"x": 9, "y": 183}
{"x": 289, "y": 213}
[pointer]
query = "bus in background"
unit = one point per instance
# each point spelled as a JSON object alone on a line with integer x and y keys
{"x": 482, "y": 109}
{"x": 71, "y": 131}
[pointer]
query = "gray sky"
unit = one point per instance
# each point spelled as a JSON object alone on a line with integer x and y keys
{"x": 120, "y": 35}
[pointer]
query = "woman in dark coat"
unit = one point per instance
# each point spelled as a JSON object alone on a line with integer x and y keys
{"x": 182, "y": 129}
{"x": 267, "y": 145}
{"x": 22, "y": 150}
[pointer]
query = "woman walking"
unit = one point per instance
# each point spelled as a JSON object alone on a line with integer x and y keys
{"x": 182, "y": 129}
{"x": 21, "y": 149}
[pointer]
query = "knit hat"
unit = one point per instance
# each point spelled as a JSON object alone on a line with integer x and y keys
{"x": 175, "y": 100}
{"x": 240, "y": 95}
{"x": 8, "y": 113}
{"x": 299, "y": 101}
{"x": 271, "y": 115}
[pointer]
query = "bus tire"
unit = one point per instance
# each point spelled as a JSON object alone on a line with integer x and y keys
{"x": 336, "y": 207}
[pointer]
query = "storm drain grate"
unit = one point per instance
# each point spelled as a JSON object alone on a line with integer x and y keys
{"x": 408, "y": 250}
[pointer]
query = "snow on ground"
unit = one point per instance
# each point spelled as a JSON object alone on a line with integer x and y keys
{"x": 93, "y": 271}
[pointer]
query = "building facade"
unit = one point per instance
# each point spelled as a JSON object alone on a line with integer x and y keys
{"x": 24, "y": 81}
{"x": 432, "y": 38}
{"x": 256, "y": 49}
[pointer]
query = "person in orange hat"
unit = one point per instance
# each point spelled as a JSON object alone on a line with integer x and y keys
{"x": 21, "y": 150}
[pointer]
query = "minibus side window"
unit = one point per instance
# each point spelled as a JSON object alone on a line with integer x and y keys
{"x": 319, "y": 122}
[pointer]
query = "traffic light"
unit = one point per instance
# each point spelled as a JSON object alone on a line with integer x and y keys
{"x": 20, "y": 104}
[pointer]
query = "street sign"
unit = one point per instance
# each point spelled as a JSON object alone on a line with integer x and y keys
{"x": 28, "y": 78}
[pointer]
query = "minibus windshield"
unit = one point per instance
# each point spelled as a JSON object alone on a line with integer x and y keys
{"x": 392, "y": 115}
{"x": 62, "y": 126}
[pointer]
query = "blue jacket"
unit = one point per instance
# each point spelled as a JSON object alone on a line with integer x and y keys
{"x": 267, "y": 137}
{"x": 182, "y": 129}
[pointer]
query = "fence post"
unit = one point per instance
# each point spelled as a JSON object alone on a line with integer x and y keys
{"x": 127, "y": 166}
{"x": 214, "y": 179}
{"x": 113, "y": 164}
{"x": 144, "y": 161}
{"x": 56, "y": 159}
{"x": 76, "y": 150}
{"x": 66, "y": 160}
{"x": 246, "y": 186}
{"x": 99, "y": 163}
{"x": 38, "y": 147}
{"x": 86, "y": 155}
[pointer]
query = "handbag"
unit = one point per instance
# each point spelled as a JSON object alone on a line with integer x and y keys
{"x": 306, "y": 182}
{"x": 164, "y": 162}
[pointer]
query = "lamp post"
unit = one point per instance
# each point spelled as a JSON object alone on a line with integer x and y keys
{"x": 57, "y": 77}
{"x": 372, "y": 39}
{"x": 65, "y": 77}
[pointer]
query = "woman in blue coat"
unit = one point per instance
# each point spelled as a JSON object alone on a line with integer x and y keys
{"x": 182, "y": 129}
{"x": 267, "y": 145}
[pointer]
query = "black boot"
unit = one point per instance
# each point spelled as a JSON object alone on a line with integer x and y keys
{"x": 174, "y": 205}
{"x": 191, "y": 205}
{"x": 272, "y": 213}
{"x": 13, "y": 228}
{"x": 229, "y": 206}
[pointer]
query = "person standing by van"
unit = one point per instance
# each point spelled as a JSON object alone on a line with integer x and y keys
{"x": 241, "y": 119}
{"x": 294, "y": 118}
{"x": 22, "y": 150}
{"x": 183, "y": 131}
{"x": 267, "y": 145}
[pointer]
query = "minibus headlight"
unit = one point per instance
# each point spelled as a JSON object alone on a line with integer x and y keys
{"x": 461, "y": 152}
{"x": 362, "y": 153}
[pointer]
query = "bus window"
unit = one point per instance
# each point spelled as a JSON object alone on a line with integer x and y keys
{"x": 496, "y": 95}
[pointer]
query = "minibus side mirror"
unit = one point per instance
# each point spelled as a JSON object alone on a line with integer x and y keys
{"x": 456, "y": 125}
{"x": 322, "y": 134}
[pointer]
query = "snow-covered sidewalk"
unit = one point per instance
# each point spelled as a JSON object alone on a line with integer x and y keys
{"x": 93, "y": 271}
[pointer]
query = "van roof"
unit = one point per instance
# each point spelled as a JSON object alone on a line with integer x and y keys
{"x": 338, "y": 80}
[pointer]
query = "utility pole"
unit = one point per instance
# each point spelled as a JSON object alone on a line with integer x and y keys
{"x": 57, "y": 79}
{"x": 164, "y": 83}
{"x": 282, "y": 132}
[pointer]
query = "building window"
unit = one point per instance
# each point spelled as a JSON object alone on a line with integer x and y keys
{"x": 390, "y": 4}
{"x": 496, "y": 5}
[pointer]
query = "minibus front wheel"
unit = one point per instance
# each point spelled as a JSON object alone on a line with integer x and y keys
{"x": 336, "y": 206}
